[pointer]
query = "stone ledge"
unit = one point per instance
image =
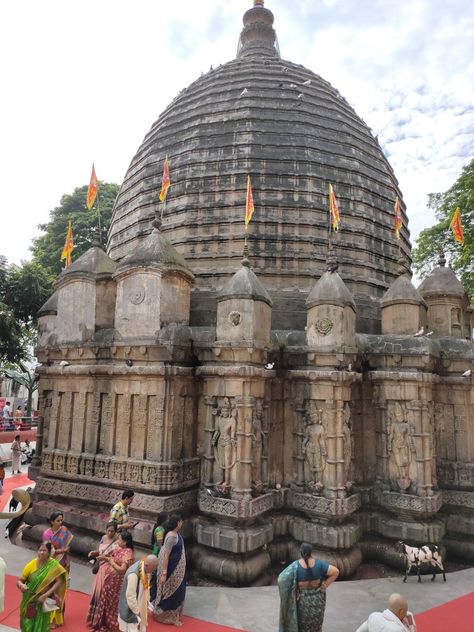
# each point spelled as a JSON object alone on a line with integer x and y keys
{"x": 410, "y": 504}
{"x": 232, "y": 539}
{"x": 457, "y": 498}
{"x": 323, "y": 507}
{"x": 341, "y": 536}
{"x": 236, "y": 509}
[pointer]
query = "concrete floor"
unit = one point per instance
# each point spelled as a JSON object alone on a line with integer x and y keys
{"x": 257, "y": 609}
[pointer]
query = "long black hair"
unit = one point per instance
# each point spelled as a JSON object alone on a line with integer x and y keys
{"x": 172, "y": 523}
{"x": 160, "y": 520}
{"x": 305, "y": 550}
{"x": 127, "y": 538}
{"x": 55, "y": 515}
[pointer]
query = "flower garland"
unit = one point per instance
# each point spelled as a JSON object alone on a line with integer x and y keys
{"x": 144, "y": 577}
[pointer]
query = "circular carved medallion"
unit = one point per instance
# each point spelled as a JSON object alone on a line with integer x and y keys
{"x": 137, "y": 296}
{"x": 323, "y": 326}
{"x": 234, "y": 318}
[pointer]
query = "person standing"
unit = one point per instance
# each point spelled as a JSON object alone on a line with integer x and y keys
{"x": 6, "y": 414}
{"x": 396, "y": 618}
{"x": 135, "y": 595}
{"x": 104, "y": 617}
{"x": 171, "y": 592}
{"x": 16, "y": 454}
{"x": 302, "y": 587}
{"x": 18, "y": 417}
{"x": 119, "y": 512}
{"x": 157, "y": 537}
{"x": 60, "y": 537}
{"x": 107, "y": 545}
{"x": 42, "y": 578}
{"x": 2, "y": 476}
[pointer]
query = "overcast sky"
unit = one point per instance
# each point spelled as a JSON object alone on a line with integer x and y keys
{"x": 83, "y": 81}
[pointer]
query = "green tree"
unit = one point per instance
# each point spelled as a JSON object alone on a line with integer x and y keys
{"x": 461, "y": 258}
{"x": 13, "y": 342}
{"x": 27, "y": 378}
{"x": 47, "y": 247}
{"x": 26, "y": 288}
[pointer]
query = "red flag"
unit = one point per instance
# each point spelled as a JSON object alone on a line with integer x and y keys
{"x": 398, "y": 217}
{"x": 334, "y": 209}
{"x": 92, "y": 190}
{"x": 249, "y": 207}
{"x": 456, "y": 226}
{"x": 68, "y": 246}
{"x": 165, "y": 182}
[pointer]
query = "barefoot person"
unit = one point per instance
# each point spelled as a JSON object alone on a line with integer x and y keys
{"x": 60, "y": 537}
{"x": 135, "y": 595}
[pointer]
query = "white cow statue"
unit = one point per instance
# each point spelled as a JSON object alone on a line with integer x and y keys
{"x": 426, "y": 554}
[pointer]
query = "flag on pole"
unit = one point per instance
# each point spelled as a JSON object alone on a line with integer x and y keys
{"x": 456, "y": 226}
{"x": 68, "y": 246}
{"x": 334, "y": 209}
{"x": 398, "y": 217}
{"x": 249, "y": 207}
{"x": 92, "y": 190}
{"x": 165, "y": 182}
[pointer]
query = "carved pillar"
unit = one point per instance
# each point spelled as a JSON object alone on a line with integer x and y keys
{"x": 242, "y": 486}
{"x": 154, "y": 442}
{"x": 207, "y": 467}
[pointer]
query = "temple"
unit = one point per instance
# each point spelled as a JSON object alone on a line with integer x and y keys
{"x": 292, "y": 390}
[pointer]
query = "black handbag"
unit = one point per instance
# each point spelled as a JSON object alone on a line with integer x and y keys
{"x": 95, "y": 567}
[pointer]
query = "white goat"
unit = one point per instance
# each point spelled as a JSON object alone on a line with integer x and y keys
{"x": 427, "y": 554}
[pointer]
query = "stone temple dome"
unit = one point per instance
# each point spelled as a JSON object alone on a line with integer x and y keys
{"x": 293, "y": 133}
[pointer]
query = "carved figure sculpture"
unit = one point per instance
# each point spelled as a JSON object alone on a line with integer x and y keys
{"x": 315, "y": 449}
{"x": 347, "y": 438}
{"x": 224, "y": 441}
{"x": 401, "y": 447}
{"x": 258, "y": 444}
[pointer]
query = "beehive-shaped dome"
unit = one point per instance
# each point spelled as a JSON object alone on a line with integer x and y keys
{"x": 293, "y": 133}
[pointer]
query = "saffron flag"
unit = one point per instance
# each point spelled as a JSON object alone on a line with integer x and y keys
{"x": 68, "y": 246}
{"x": 165, "y": 182}
{"x": 456, "y": 226}
{"x": 334, "y": 209}
{"x": 398, "y": 217}
{"x": 92, "y": 190}
{"x": 249, "y": 207}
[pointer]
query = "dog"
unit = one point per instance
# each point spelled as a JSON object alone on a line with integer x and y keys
{"x": 13, "y": 504}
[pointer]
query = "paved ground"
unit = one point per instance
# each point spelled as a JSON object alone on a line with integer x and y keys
{"x": 256, "y": 609}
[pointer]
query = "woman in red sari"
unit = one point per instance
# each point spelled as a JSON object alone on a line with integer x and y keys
{"x": 107, "y": 545}
{"x": 105, "y": 615}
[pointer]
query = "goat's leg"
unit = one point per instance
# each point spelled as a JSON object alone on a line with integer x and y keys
{"x": 418, "y": 566}
{"x": 407, "y": 570}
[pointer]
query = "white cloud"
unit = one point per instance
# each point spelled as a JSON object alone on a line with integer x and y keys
{"x": 84, "y": 81}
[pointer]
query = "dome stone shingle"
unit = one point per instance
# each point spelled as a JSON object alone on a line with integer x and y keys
{"x": 294, "y": 134}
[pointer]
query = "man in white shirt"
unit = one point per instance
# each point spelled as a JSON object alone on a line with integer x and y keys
{"x": 135, "y": 595}
{"x": 395, "y": 618}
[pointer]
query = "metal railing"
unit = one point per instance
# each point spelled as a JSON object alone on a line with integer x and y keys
{"x": 19, "y": 423}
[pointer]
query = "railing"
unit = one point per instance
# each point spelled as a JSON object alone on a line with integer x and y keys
{"x": 18, "y": 423}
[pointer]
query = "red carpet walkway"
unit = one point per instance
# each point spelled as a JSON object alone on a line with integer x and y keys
{"x": 11, "y": 483}
{"x": 76, "y": 609}
{"x": 454, "y": 616}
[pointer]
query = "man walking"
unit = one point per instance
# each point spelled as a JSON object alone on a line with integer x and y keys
{"x": 135, "y": 595}
{"x": 119, "y": 512}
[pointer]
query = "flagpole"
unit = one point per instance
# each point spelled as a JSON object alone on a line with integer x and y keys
{"x": 98, "y": 217}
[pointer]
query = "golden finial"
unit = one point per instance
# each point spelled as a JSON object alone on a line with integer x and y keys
{"x": 258, "y": 3}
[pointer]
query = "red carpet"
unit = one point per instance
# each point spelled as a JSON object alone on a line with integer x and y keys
{"x": 455, "y": 615}
{"x": 77, "y": 604}
{"x": 11, "y": 483}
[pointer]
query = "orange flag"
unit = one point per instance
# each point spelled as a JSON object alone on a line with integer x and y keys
{"x": 398, "y": 217}
{"x": 68, "y": 246}
{"x": 334, "y": 209}
{"x": 92, "y": 190}
{"x": 165, "y": 182}
{"x": 249, "y": 207}
{"x": 456, "y": 226}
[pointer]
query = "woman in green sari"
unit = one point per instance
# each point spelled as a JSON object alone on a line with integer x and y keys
{"x": 302, "y": 587}
{"x": 42, "y": 580}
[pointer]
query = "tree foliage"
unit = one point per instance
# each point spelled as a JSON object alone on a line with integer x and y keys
{"x": 27, "y": 287}
{"x": 461, "y": 258}
{"x": 27, "y": 378}
{"x": 47, "y": 247}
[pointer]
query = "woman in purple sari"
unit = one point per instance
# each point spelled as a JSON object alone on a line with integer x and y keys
{"x": 169, "y": 601}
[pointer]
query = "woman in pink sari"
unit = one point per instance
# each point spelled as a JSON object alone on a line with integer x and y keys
{"x": 106, "y": 547}
{"x": 60, "y": 538}
{"x": 115, "y": 562}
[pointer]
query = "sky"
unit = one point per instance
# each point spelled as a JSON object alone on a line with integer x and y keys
{"x": 83, "y": 81}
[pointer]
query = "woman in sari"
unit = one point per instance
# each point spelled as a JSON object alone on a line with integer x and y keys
{"x": 107, "y": 545}
{"x": 302, "y": 587}
{"x": 42, "y": 578}
{"x": 157, "y": 537}
{"x": 103, "y": 614}
{"x": 169, "y": 601}
{"x": 60, "y": 537}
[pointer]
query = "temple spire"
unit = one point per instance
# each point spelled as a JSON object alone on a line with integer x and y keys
{"x": 258, "y": 36}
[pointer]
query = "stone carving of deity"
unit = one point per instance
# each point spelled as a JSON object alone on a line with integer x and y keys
{"x": 401, "y": 447}
{"x": 224, "y": 441}
{"x": 258, "y": 443}
{"x": 347, "y": 438}
{"x": 315, "y": 449}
